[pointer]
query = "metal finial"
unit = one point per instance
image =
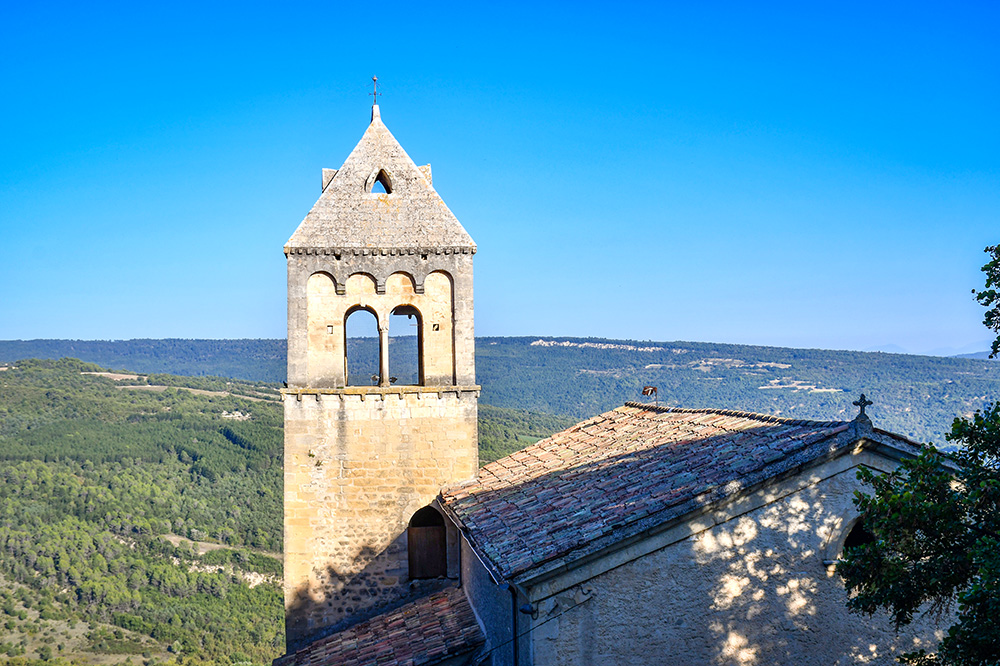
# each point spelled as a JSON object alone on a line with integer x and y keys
{"x": 862, "y": 402}
{"x": 375, "y": 93}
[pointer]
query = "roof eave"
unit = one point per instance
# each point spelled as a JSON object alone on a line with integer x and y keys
{"x": 484, "y": 559}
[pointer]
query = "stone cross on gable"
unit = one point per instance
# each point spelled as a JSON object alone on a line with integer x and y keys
{"x": 862, "y": 402}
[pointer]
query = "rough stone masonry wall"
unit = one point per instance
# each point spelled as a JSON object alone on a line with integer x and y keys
{"x": 359, "y": 462}
{"x": 751, "y": 590}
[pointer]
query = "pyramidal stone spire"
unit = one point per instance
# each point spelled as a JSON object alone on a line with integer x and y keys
{"x": 379, "y": 199}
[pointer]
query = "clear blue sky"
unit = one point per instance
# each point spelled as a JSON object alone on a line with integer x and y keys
{"x": 782, "y": 174}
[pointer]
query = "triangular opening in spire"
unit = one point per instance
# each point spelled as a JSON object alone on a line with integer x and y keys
{"x": 381, "y": 184}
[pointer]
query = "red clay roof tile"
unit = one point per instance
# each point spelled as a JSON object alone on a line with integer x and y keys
{"x": 420, "y": 633}
{"x": 590, "y": 481}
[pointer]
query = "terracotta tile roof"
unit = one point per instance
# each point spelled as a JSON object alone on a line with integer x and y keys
{"x": 421, "y": 633}
{"x": 616, "y": 474}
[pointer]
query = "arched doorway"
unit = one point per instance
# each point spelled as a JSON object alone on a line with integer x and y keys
{"x": 426, "y": 544}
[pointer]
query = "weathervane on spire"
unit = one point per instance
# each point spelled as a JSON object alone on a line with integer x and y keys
{"x": 375, "y": 93}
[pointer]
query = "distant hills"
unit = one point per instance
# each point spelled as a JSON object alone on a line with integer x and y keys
{"x": 965, "y": 351}
{"x": 982, "y": 354}
{"x": 917, "y": 396}
{"x": 250, "y": 360}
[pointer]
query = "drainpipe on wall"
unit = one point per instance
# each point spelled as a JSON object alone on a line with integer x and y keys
{"x": 513, "y": 620}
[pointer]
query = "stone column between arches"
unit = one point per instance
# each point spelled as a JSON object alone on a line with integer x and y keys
{"x": 327, "y": 313}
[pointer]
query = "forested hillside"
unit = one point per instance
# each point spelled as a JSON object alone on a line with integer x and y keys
{"x": 917, "y": 396}
{"x": 102, "y": 482}
{"x": 140, "y": 516}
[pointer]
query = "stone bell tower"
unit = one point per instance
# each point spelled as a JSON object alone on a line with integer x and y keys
{"x": 363, "y": 464}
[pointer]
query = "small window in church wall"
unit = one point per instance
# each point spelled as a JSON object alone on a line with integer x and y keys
{"x": 426, "y": 544}
{"x": 858, "y": 536}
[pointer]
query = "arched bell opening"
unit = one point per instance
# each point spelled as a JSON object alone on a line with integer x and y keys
{"x": 427, "y": 544}
{"x": 361, "y": 344}
{"x": 406, "y": 349}
{"x": 438, "y": 338}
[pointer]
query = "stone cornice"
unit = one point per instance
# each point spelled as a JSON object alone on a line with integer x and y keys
{"x": 375, "y": 251}
{"x": 379, "y": 391}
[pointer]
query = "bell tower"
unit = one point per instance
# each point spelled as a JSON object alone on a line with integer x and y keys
{"x": 366, "y": 456}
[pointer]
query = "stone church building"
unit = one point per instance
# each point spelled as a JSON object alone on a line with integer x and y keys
{"x": 645, "y": 535}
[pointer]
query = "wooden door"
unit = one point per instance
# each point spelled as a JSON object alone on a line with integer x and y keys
{"x": 427, "y": 548}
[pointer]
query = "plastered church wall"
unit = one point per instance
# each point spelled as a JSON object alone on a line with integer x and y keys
{"x": 752, "y": 589}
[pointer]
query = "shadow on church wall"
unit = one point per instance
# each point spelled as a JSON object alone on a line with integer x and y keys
{"x": 340, "y": 599}
{"x": 752, "y": 589}
{"x": 769, "y": 597}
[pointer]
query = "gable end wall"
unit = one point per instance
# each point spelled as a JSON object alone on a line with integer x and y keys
{"x": 745, "y": 588}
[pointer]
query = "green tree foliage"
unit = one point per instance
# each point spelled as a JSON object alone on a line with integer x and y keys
{"x": 105, "y": 483}
{"x": 990, "y": 296}
{"x": 936, "y": 520}
{"x": 96, "y": 477}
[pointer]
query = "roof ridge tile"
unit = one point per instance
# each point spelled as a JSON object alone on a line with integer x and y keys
{"x": 664, "y": 409}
